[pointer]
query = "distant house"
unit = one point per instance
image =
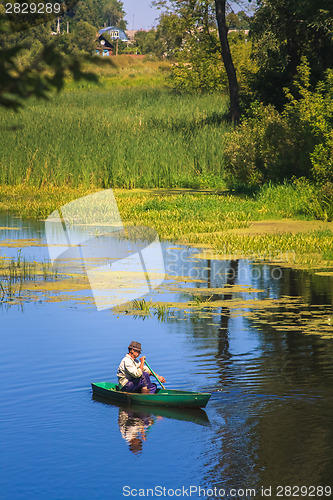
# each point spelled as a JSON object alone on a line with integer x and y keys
{"x": 109, "y": 37}
{"x": 114, "y": 33}
{"x": 104, "y": 46}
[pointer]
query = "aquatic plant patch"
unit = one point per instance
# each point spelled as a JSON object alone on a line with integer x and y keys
{"x": 22, "y": 281}
{"x": 232, "y": 226}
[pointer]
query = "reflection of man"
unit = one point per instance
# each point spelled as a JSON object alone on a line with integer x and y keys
{"x": 134, "y": 376}
{"x": 134, "y": 428}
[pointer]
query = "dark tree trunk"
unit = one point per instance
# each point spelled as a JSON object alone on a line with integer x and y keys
{"x": 227, "y": 60}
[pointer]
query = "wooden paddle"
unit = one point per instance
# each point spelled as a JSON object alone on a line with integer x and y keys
{"x": 154, "y": 374}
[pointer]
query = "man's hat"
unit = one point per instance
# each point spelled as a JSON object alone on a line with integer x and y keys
{"x": 135, "y": 345}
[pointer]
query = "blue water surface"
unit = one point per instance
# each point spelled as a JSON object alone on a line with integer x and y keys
{"x": 268, "y": 422}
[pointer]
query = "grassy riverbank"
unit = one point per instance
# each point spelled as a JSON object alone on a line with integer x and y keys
{"x": 126, "y": 136}
{"x": 161, "y": 153}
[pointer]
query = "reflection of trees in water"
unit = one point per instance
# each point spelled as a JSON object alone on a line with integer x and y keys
{"x": 279, "y": 436}
{"x": 223, "y": 341}
{"x": 287, "y": 437}
{"x": 233, "y": 454}
{"x": 315, "y": 289}
{"x": 299, "y": 357}
{"x": 304, "y": 289}
{"x": 312, "y": 288}
{"x": 282, "y": 432}
{"x": 296, "y": 439}
{"x": 222, "y": 278}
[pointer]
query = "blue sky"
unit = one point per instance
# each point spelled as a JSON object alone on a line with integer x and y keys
{"x": 140, "y": 14}
{"x": 144, "y": 14}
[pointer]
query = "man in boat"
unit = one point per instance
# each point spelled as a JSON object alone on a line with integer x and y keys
{"x": 133, "y": 375}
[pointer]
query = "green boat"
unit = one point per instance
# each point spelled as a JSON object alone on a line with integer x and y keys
{"x": 162, "y": 397}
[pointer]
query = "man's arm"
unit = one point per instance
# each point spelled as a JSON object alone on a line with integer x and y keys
{"x": 146, "y": 369}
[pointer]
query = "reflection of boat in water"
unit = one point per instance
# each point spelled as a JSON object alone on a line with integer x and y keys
{"x": 195, "y": 415}
{"x": 135, "y": 421}
{"x": 162, "y": 397}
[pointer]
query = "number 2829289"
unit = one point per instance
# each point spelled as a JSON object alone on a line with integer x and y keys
{"x": 33, "y": 8}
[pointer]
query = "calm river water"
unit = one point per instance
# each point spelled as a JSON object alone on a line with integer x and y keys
{"x": 268, "y": 426}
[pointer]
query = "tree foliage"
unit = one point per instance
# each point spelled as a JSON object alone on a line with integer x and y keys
{"x": 238, "y": 20}
{"x": 273, "y": 146}
{"x": 113, "y": 10}
{"x": 97, "y": 13}
{"x": 166, "y": 40}
{"x": 204, "y": 22}
{"x": 147, "y": 42}
{"x": 284, "y": 31}
{"x": 33, "y": 63}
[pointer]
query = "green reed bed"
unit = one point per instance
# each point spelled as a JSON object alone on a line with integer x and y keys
{"x": 175, "y": 214}
{"x": 16, "y": 272}
{"x": 141, "y": 308}
{"x": 219, "y": 221}
{"x": 309, "y": 250}
{"x": 102, "y": 137}
{"x": 33, "y": 202}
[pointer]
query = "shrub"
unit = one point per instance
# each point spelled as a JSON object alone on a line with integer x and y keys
{"x": 259, "y": 150}
{"x": 200, "y": 67}
{"x": 312, "y": 112}
{"x": 300, "y": 197}
{"x": 272, "y": 146}
{"x": 315, "y": 200}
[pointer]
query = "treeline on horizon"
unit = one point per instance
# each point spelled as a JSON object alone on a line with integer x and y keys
{"x": 79, "y": 27}
{"x": 82, "y": 22}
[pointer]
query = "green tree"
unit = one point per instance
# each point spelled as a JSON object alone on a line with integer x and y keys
{"x": 238, "y": 21}
{"x": 233, "y": 21}
{"x": 200, "y": 18}
{"x": 98, "y": 12}
{"x": 171, "y": 32}
{"x": 283, "y": 31}
{"x": 244, "y": 20}
{"x": 147, "y": 42}
{"x": 83, "y": 39}
{"x": 298, "y": 142}
{"x": 114, "y": 12}
{"x": 32, "y": 63}
{"x": 90, "y": 11}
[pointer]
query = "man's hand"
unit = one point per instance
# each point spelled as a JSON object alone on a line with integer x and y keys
{"x": 142, "y": 362}
{"x": 161, "y": 379}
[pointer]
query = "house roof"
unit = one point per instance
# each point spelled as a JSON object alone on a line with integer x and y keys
{"x": 121, "y": 33}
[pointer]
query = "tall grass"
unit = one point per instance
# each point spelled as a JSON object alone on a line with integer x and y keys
{"x": 14, "y": 273}
{"x": 126, "y": 71}
{"x": 114, "y": 137}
